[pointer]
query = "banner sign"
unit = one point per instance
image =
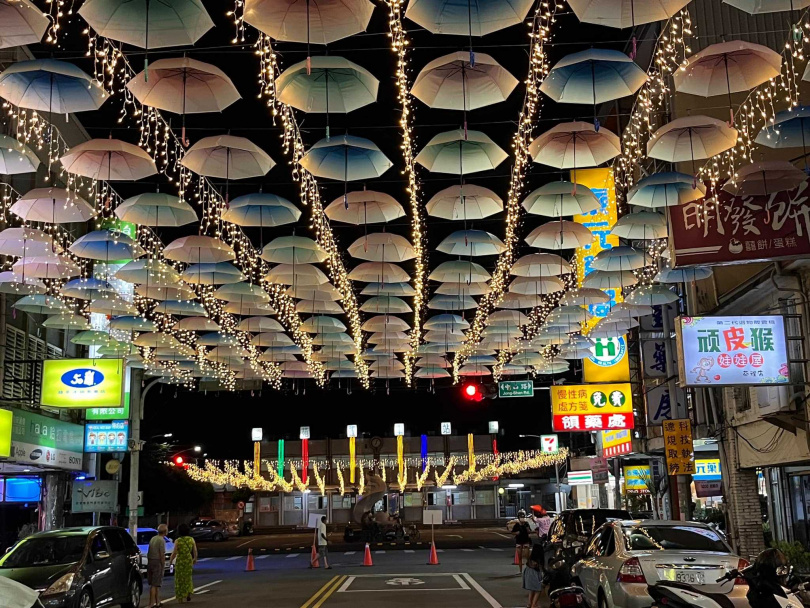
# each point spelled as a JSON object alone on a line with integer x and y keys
{"x": 549, "y": 444}
{"x": 609, "y": 361}
{"x": 732, "y": 350}
{"x": 655, "y": 321}
{"x": 678, "y": 447}
{"x": 599, "y": 470}
{"x": 82, "y": 383}
{"x": 97, "y": 496}
{"x": 660, "y": 405}
{"x": 580, "y": 478}
{"x": 616, "y": 443}
{"x": 516, "y": 388}
{"x": 600, "y": 222}
{"x": 744, "y": 229}
{"x": 106, "y": 436}
{"x": 6, "y": 423}
{"x": 592, "y": 407}
{"x": 47, "y": 442}
{"x": 708, "y": 489}
{"x": 635, "y": 479}
{"x": 707, "y": 469}
{"x": 654, "y": 356}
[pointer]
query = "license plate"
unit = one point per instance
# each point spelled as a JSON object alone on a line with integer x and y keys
{"x": 691, "y": 578}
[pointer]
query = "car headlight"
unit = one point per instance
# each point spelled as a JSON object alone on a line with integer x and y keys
{"x": 62, "y": 585}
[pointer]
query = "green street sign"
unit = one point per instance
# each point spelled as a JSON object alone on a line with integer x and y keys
{"x": 516, "y": 388}
{"x": 140, "y": 511}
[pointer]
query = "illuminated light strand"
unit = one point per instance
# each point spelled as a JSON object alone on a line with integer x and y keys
{"x": 399, "y": 45}
{"x": 441, "y": 479}
{"x": 341, "y": 483}
{"x": 293, "y": 146}
{"x": 319, "y": 480}
{"x": 542, "y": 22}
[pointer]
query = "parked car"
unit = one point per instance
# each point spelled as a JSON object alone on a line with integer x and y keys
{"x": 144, "y": 536}
{"x": 572, "y": 529}
{"x": 624, "y": 557}
{"x": 77, "y": 567}
{"x": 210, "y": 529}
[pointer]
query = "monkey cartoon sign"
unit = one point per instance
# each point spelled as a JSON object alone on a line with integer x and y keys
{"x": 732, "y": 351}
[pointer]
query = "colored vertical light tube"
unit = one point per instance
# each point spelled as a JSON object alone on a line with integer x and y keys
{"x": 304, "y": 459}
{"x": 400, "y": 456}
{"x": 424, "y": 452}
{"x": 471, "y": 451}
{"x": 352, "y": 458}
{"x": 281, "y": 458}
{"x": 257, "y": 459}
{"x": 495, "y": 453}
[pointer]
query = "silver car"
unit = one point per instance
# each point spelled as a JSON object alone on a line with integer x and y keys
{"x": 624, "y": 557}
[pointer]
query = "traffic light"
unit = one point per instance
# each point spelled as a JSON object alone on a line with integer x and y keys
{"x": 473, "y": 392}
{"x": 178, "y": 460}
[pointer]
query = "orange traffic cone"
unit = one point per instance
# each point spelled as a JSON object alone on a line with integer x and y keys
{"x": 517, "y": 556}
{"x": 313, "y": 558}
{"x": 367, "y": 557}
{"x": 250, "y": 567}
{"x": 434, "y": 558}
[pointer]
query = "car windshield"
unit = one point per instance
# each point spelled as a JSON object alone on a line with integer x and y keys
{"x": 673, "y": 538}
{"x": 586, "y": 521}
{"x": 145, "y": 536}
{"x": 45, "y": 551}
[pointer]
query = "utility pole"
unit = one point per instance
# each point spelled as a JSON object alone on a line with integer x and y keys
{"x": 137, "y": 398}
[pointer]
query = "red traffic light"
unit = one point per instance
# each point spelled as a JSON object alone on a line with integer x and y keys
{"x": 473, "y": 392}
{"x": 178, "y": 460}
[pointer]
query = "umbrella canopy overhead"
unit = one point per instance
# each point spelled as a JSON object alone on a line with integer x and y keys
{"x": 15, "y": 156}
{"x": 464, "y": 202}
{"x": 310, "y": 21}
{"x": 763, "y": 178}
{"x": 625, "y": 13}
{"x": 26, "y": 242}
{"x": 49, "y": 85}
{"x": 327, "y": 84}
{"x": 106, "y": 245}
{"x": 217, "y": 273}
{"x": 297, "y": 274}
{"x": 199, "y": 249}
{"x": 759, "y": 7}
{"x": 451, "y": 82}
{"x": 46, "y": 267}
{"x": 570, "y": 145}
{"x": 467, "y": 17}
{"x": 147, "y": 271}
{"x": 260, "y": 209}
{"x": 561, "y": 198}
{"x": 382, "y": 247}
{"x": 16, "y": 284}
{"x": 21, "y": 23}
{"x": 471, "y": 243}
{"x": 378, "y": 272}
{"x": 666, "y": 190}
{"x": 345, "y": 158}
{"x": 562, "y": 234}
{"x": 150, "y": 24}
{"x": 293, "y": 250}
{"x": 593, "y": 76}
{"x": 691, "y": 138}
{"x": 790, "y": 128}
{"x": 460, "y": 153}
{"x": 540, "y": 265}
{"x": 642, "y": 225}
{"x": 109, "y": 160}
{"x": 156, "y": 209}
{"x": 458, "y": 271}
{"x": 227, "y": 157}
{"x": 53, "y": 206}
{"x": 364, "y": 207}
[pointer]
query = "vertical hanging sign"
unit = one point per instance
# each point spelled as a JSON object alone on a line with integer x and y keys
{"x": 280, "y": 458}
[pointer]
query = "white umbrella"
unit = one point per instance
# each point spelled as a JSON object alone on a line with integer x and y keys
{"x": 562, "y": 234}
{"x": 385, "y": 323}
{"x": 453, "y": 288}
{"x": 40, "y": 304}
{"x": 764, "y": 178}
{"x": 196, "y": 324}
{"x": 53, "y": 206}
{"x": 460, "y": 153}
{"x": 378, "y": 272}
{"x": 182, "y": 308}
{"x": 146, "y": 271}
{"x": 585, "y": 296}
{"x": 218, "y": 273}
{"x": 165, "y": 291}
{"x": 625, "y": 13}
{"x": 642, "y": 225}
{"x": 382, "y": 247}
{"x": 327, "y": 291}
{"x": 570, "y": 313}
{"x": 109, "y": 160}
{"x": 431, "y": 372}
{"x": 386, "y": 336}
{"x": 572, "y": 145}
{"x": 46, "y": 267}
{"x": 323, "y": 324}
{"x": 49, "y": 85}
{"x": 21, "y": 23}
{"x": 445, "y": 302}
{"x": 471, "y": 243}
{"x": 87, "y": 288}
{"x": 536, "y": 285}
{"x": 683, "y": 275}
{"x": 759, "y": 7}
{"x": 199, "y": 249}
{"x": 111, "y": 307}
{"x": 364, "y": 207}
{"x": 556, "y": 199}
{"x": 458, "y": 271}
{"x": 262, "y": 210}
{"x": 249, "y": 310}
{"x": 345, "y": 158}
{"x": 15, "y": 156}
{"x": 26, "y": 241}
{"x": 386, "y": 304}
{"x": 67, "y": 321}
{"x": 259, "y": 324}
{"x": 389, "y": 289}
{"x": 16, "y": 284}
{"x": 296, "y": 274}
{"x": 540, "y": 265}
{"x": 309, "y": 21}
{"x": 293, "y": 250}
{"x": 609, "y": 279}
{"x": 319, "y": 307}
{"x": 691, "y": 138}
{"x": 467, "y": 17}
{"x": 106, "y": 245}
{"x": 517, "y": 300}
{"x": 592, "y": 77}
{"x": 651, "y": 295}
{"x": 620, "y": 258}
{"x": 464, "y": 202}
{"x": 156, "y": 209}
{"x": 247, "y": 293}
{"x": 666, "y": 190}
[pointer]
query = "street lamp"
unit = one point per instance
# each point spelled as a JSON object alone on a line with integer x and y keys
{"x": 557, "y": 501}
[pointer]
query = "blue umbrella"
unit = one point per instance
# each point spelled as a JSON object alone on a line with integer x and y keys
{"x": 790, "y": 129}
{"x": 127, "y": 323}
{"x": 106, "y": 245}
{"x": 48, "y": 85}
{"x": 668, "y": 189}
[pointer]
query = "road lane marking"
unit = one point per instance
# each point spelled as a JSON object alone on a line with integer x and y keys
{"x": 204, "y": 559}
{"x": 293, "y": 555}
{"x": 262, "y": 556}
{"x": 329, "y": 592}
{"x": 201, "y": 587}
{"x": 468, "y": 550}
{"x": 454, "y": 536}
{"x": 482, "y": 592}
{"x": 494, "y": 549}
{"x": 230, "y": 559}
{"x": 247, "y": 542}
{"x": 409, "y": 551}
{"x": 379, "y": 551}
{"x": 346, "y": 584}
{"x": 350, "y": 552}
{"x": 503, "y": 535}
{"x": 319, "y": 591}
{"x": 461, "y": 582}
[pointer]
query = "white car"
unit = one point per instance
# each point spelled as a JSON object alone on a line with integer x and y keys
{"x": 144, "y": 536}
{"x": 624, "y": 557}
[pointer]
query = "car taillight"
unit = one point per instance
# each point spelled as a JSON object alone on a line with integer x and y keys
{"x": 631, "y": 572}
{"x": 740, "y": 580}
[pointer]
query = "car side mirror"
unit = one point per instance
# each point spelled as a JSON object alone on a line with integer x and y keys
{"x": 101, "y": 555}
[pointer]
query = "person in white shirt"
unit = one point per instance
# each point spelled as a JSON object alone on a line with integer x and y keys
{"x": 321, "y": 542}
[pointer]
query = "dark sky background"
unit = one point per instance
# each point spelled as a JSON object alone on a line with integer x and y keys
{"x": 221, "y": 422}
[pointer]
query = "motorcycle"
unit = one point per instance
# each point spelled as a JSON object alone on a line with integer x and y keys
{"x": 765, "y": 579}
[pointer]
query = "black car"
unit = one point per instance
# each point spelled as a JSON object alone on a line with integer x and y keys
{"x": 571, "y": 530}
{"x": 78, "y": 567}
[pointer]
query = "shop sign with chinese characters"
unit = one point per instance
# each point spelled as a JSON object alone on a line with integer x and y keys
{"x": 592, "y": 407}
{"x": 616, "y": 443}
{"x": 635, "y": 479}
{"x": 707, "y": 469}
{"x": 82, "y": 383}
{"x": 678, "y": 448}
{"x": 732, "y": 351}
{"x": 741, "y": 229}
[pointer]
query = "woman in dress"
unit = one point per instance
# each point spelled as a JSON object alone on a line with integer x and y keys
{"x": 533, "y": 576}
{"x": 185, "y": 551}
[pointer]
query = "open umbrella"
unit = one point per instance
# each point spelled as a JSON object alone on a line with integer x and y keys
{"x": 652, "y": 295}
{"x": 182, "y": 308}
{"x": 40, "y": 305}
{"x": 387, "y": 305}
{"x": 106, "y": 245}
{"x": 66, "y": 321}
{"x": 378, "y": 272}
{"x": 109, "y": 160}
{"x": 244, "y": 292}
{"x": 683, "y": 275}
{"x": 156, "y": 209}
{"x": 691, "y": 138}
{"x": 572, "y": 145}
{"x": 326, "y": 291}
{"x": 759, "y": 7}
{"x": 49, "y": 85}
{"x": 46, "y": 267}
{"x": 296, "y": 274}
{"x": 529, "y": 286}
{"x": 458, "y": 271}
{"x": 625, "y": 13}
{"x": 21, "y": 23}
{"x": 259, "y": 324}
{"x": 364, "y": 207}
{"x": 162, "y": 290}
{"x": 15, "y": 156}
{"x": 216, "y": 273}
{"x": 540, "y": 265}
{"x": 764, "y": 178}
{"x": 556, "y": 199}
{"x": 345, "y": 158}
{"x": 455, "y": 302}
{"x": 323, "y": 324}
{"x": 475, "y": 288}
{"x": 110, "y": 307}
{"x": 319, "y": 307}
{"x": 562, "y": 234}
{"x": 666, "y": 190}
{"x": 184, "y": 86}
{"x": 293, "y": 250}
{"x": 446, "y": 321}
{"x": 326, "y": 84}
{"x": 25, "y": 242}
{"x": 464, "y": 202}
{"x": 404, "y": 290}
{"x": 53, "y": 206}
{"x": 198, "y": 249}
{"x": 16, "y": 284}
{"x": 609, "y": 279}
{"x": 460, "y": 153}
{"x": 584, "y": 296}
{"x": 471, "y": 243}
{"x": 147, "y": 271}
{"x": 249, "y": 310}
{"x": 382, "y": 247}
{"x": 789, "y": 129}
{"x": 467, "y": 17}
{"x": 620, "y": 258}
{"x": 262, "y": 210}
{"x": 642, "y": 225}
{"x": 725, "y": 68}
{"x": 86, "y": 288}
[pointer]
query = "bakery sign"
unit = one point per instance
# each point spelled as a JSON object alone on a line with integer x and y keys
{"x": 728, "y": 230}
{"x": 732, "y": 351}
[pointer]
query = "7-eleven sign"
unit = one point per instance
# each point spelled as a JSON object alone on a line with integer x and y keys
{"x": 549, "y": 444}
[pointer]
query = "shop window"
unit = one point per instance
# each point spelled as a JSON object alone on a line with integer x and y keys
{"x": 341, "y": 502}
{"x": 293, "y": 503}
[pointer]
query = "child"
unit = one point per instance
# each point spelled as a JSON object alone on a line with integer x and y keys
{"x": 533, "y": 576}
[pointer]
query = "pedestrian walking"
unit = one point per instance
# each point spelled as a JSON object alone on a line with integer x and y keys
{"x": 156, "y": 565}
{"x": 521, "y": 531}
{"x": 543, "y": 521}
{"x": 321, "y": 542}
{"x": 533, "y": 576}
{"x": 185, "y": 552}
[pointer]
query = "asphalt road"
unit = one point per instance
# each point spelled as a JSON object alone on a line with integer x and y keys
{"x": 469, "y": 578}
